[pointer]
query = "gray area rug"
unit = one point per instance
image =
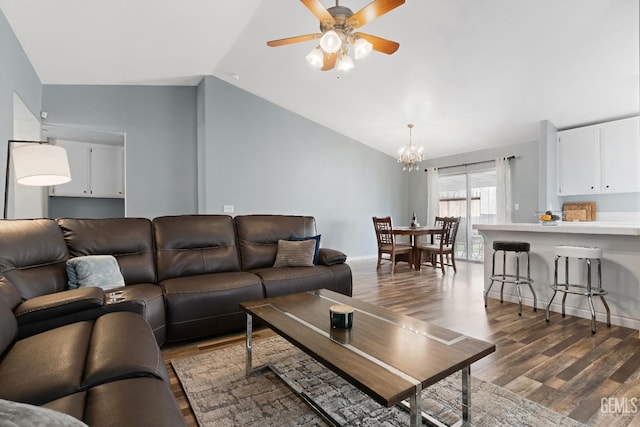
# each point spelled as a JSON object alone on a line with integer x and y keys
{"x": 221, "y": 395}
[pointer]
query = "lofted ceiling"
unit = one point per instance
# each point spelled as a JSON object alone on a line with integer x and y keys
{"x": 469, "y": 74}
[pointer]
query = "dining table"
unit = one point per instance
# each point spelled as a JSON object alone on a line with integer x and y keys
{"x": 414, "y": 232}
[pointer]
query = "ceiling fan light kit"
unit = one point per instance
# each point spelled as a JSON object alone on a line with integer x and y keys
{"x": 316, "y": 57}
{"x": 337, "y": 26}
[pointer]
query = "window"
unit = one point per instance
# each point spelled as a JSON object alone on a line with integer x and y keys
{"x": 472, "y": 197}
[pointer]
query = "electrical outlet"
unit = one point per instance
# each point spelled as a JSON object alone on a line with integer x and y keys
{"x": 228, "y": 208}
{"x": 516, "y": 206}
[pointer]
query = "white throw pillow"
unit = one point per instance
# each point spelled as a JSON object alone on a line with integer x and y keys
{"x": 102, "y": 271}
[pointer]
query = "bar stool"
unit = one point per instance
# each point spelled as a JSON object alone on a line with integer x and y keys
{"x": 581, "y": 253}
{"x": 503, "y": 277}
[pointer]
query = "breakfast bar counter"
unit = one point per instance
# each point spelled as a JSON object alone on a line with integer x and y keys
{"x": 620, "y": 243}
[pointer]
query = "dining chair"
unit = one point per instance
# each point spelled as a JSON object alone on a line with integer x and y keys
{"x": 387, "y": 243}
{"x": 441, "y": 251}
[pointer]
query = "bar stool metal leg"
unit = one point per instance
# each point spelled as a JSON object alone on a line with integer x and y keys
{"x": 604, "y": 302}
{"x": 588, "y": 289}
{"x": 535, "y": 299}
{"x": 555, "y": 286}
{"x": 493, "y": 273}
{"x": 504, "y": 271}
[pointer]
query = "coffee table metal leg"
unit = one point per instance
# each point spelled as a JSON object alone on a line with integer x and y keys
{"x": 466, "y": 395}
{"x": 414, "y": 405}
{"x": 249, "y": 343}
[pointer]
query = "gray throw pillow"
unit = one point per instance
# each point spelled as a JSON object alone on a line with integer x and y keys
{"x": 102, "y": 271}
{"x": 23, "y": 415}
{"x": 295, "y": 254}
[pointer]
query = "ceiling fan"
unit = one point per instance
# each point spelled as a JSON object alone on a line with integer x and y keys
{"x": 337, "y": 26}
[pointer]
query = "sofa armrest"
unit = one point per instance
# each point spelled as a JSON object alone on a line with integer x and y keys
{"x": 330, "y": 257}
{"x": 59, "y": 304}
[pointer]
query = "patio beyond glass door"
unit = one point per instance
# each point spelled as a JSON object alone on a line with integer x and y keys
{"x": 472, "y": 197}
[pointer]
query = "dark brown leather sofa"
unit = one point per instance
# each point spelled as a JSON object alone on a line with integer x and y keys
{"x": 78, "y": 352}
{"x": 105, "y": 372}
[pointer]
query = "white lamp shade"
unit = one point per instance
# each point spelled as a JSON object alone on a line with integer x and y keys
{"x": 330, "y": 42}
{"x": 362, "y": 48}
{"x": 345, "y": 63}
{"x": 315, "y": 57}
{"x": 41, "y": 165}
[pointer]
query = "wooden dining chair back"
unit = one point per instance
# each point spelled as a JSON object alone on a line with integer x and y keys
{"x": 387, "y": 243}
{"x": 441, "y": 252}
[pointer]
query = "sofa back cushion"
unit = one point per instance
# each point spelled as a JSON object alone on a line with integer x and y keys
{"x": 129, "y": 240}
{"x": 258, "y": 236}
{"x": 9, "y": 300}
{"x": 8, "y": 327}
{"x": 187, "y": 245}
{"x": 33, "y": 256}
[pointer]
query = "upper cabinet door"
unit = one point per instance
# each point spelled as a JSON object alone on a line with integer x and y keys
{"x": 107, "y": 171}
{"x": 578, "y": 161}
{"x": 78, "y": 154}
{"x": 620, "y": 156}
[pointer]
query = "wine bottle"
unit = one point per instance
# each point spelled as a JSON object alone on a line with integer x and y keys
{"x": 414, "y": 220}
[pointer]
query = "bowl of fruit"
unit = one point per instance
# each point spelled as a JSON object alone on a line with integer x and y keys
{"x": 549, "y": 217}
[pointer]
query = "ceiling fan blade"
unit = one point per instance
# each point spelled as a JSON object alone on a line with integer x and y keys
{"x": 380, "y": 44}
{"x": 329, "y": 61}
{"x": 319, "y": 10}
{"x": 372, "y": 11}
{"x": 290, "y": 40}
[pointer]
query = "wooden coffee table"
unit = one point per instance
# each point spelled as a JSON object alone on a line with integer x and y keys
{"x": 389, "y": 356}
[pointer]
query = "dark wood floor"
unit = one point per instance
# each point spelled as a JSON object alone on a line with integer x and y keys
{"x": 560, "y": 365}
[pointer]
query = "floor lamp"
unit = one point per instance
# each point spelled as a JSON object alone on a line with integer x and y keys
{"x": 36, "y": 163}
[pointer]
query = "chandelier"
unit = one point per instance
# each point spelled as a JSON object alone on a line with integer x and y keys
{"x": 410, "y": 155}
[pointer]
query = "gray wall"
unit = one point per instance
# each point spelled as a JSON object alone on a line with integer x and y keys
{"x": 262, "y": 158}
{"x": 16, "y": 75}
{"x": 524, "y": 173}
{"x": 159, "y": 123}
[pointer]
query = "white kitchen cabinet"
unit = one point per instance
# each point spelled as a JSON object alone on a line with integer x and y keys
{"x": 107, "y": 171}
{"x": 578, "y": 161}
{"x": 79, "y": 154}
{"x": 620, "y": 156}
{"x": 599, "y": 159}
{"x": 97, "y": 170}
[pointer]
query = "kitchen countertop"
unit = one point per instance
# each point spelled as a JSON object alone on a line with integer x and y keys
{"x": 591, "y": 227}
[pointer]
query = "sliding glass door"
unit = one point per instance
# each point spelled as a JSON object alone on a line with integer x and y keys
{"x": 472, "y": 197}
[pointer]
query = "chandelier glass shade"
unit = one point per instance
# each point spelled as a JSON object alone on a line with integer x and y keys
{"x": 337, "y": 42}
{"x": 410, "y": 156}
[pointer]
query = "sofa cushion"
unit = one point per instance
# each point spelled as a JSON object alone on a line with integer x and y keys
{"x": 258, "y": 236}
{"x": 25, "y": 415}
{"x": 187, "y": 245}
{"x": 9, "y": 294}
{"x": 201, "y": 305}
{"x": 72, "y": 404}
{"x": 45, "y": 366}
{"x": 132, "y": 403}
{"x": 8, "y": 327}
{"x": 33, "y": 256}
{"x": 129, "y": 240}
{"x": 101, "y": 271}
{"x": 289, "y": 280}
{"x": 295, "y": 253}
{"x": 122, "y": 346}
{"x": 317, "y": 240}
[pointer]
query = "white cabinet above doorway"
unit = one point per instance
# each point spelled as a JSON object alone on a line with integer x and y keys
{"x": 599, "y": 159}
{"x": 97, "y": 170}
